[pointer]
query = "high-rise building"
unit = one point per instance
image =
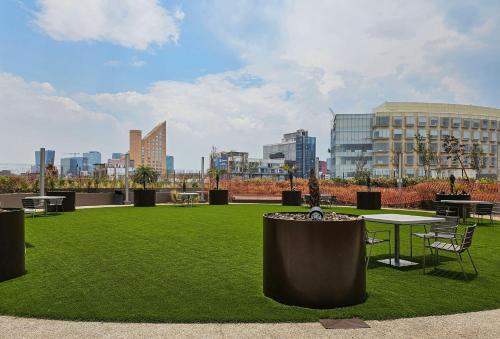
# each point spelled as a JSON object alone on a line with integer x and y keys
{"x": 74, "y": 167}
{"x": 169, "y": 161}
{"x": 150, "y": 150}
{"x": 383, "y": 138}
{"x": 296, "y": 148}
{"x": 93, "y": 159}
{"x": 50, "y": 156}
{"x": 116, "y": 156}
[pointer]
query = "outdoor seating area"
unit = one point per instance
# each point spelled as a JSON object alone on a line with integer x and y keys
{"x": 204, "y": 264}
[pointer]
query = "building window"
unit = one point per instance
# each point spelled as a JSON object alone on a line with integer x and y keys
{"x": 484, "y": 148}
{"x": 381, "y": 147}
{"x": 410, "y": 121}
{"x": 381, "y": 133}
{"x": 493, "y": 136}
{"x": 434, "y": 133}
{"x": 466, "y": 135}
{"x": 445, "y": 122}
{"x": 475, "y": 135}
{"x": 422, "y": 132}
{"x": 485, "y": 136}
{"x": 410, "y": 160}
{"x": 381, "y": 160}
{"x": 493, "y": 149}
{"x": 484, "y": 124}
{"x": 382, "y": 121}
{"x": 410, "y": 172}
{"x": 493, "y": 162}
{"x": 434, "y": 121}
{"x": 444, "y": 133}
{"x": 410, "y": 133}
{"x": 456, "y": 122}
{"x": 422, "y": 121}
{"x": 466, "y": 123}
{"x": 398, "y": 147}
{"x": 475, "y": 123}
{"x": 397, "y": 121}
{"x": 493, "y": 124}
{"x": 456, "y": 134}
{"x": 409, "y": 147}
{"x": 466, "y": 148}
{"x": 434, "y": 146}
{"x": 397, "y": 134}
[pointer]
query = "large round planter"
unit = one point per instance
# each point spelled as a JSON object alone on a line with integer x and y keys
{"x": 368, "y": 200}
{"x": 291, "y": 198}
{"x": 315, "y": 264}
{"x": 144, "y": 198}
{"x": 68, "y": 201}
{"x": 218, "y": 197}
{"x": 11, "y": 244}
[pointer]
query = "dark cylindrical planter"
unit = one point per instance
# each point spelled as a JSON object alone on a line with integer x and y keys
{"x": 144, "y": 198}
{"x": 68, "y": 201}
{"x": 11, "y": 244}
{"x": 291, "y": 198}
{"x": 369, "y": 200}
{"x": 315, "y": 264}
{"x": 218, "y": 197}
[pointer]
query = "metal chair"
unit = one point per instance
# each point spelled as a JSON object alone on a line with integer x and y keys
{"x": 442, "y": 230}
{"x": 29, "y": 206}
{"x": 458, "y": 244}
{"x": 482, "y": 210}
{"x": 57, "y": 203}
{"x": 442, "y": 209}
{"x": 371, "y": 240}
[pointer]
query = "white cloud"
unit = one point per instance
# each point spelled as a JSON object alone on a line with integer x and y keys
{"x": 128, "y": 23}
{"x": 33, "y": 117}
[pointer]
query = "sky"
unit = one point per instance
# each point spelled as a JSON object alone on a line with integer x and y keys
{"x": 77, "y": 75}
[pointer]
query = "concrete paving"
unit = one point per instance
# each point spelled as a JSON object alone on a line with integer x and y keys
{"x": 485, "y": 324}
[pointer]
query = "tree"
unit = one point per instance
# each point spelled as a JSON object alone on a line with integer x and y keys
{"x": 426, "y": 155}
{"x": 145, "y": 175}
{"x": 289, "y": 170}
{"x": 314, "y": 195}
{"x": 361, "y": 172}
{"x": 478, "y": 159}
{"x": 455, "y": 151}
{"x": 215, "y": 174}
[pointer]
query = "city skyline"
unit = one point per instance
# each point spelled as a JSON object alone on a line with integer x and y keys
{"x": 72, "y": 85}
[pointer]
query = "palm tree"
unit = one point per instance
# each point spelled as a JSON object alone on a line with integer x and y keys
{"x": 145, "y": 175}
{"x": 289, "y": 170}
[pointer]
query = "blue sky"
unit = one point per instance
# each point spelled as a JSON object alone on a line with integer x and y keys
{"x": 234, "y": 74}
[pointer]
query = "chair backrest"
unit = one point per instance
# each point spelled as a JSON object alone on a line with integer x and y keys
{"x": 484, "y": 209}
{"x": 450, "y": 225}
{"x": 442, "y": 209}
{"x": 496, "y": 208}
{"x": 28, "y": 203}
{"x": 467, "y": 237}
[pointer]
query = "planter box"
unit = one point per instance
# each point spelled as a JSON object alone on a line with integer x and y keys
{"x": 369, "y": 200}
{"x": 291, "y": 198}
{"x": 11, "y": 244}
{"x": 144, "y": 198}
{"x": 218, "y": 197}
{"x": 68, "y": 202}
{"x": 315, "y": 264}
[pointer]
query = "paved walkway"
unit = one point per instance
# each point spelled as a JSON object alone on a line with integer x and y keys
{"x": 484, "y": 324}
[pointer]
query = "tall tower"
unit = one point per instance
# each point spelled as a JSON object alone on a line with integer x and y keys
{"x": 135, "y": 147}
{"x": 150, "y": 150}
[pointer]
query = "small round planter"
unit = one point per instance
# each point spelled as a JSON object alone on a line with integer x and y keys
{"x": 144, "y": 198}
{"x": 291, "y": 198}
{"x": 368, "y": 200}
{"x": 11, "y": 243}
{"x": 218, "y": 197}
{"x": 68, "y": 201}
{"x": 315, "y": 264}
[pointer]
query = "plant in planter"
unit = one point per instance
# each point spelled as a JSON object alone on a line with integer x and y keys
{"x": 333, "y": 242}
{"x": 368, "y": 200}
{"x": 217, "y": 196}
{"x": 144, "y": 176}
{"x": 291, "y": 197}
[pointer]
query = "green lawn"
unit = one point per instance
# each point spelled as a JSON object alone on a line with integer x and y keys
{"x": 204, "y": 264}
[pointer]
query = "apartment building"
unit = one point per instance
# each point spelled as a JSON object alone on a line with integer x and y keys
{"x": 150, "y": 150}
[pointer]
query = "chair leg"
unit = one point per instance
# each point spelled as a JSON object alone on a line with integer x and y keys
{"x": 423, "y": 257}
{"x": 369, "y": 255}
{"x": 461, "y": 265}
{"x": 411, "y": 241}
{"x": 471, "y": 261}
{"x": 390, "y": 253}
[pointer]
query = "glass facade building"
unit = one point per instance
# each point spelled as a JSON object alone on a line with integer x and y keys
{"x": 387, "y": 136}
{"x": 93, "y": 159}
{"x": 351, "y": 143}
{"x": 305, "y": 154}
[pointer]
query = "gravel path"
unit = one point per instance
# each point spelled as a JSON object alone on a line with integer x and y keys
{"x": 484, "y": 324}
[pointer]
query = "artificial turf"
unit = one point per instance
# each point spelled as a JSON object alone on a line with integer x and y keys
{"x": 204, "y": 264}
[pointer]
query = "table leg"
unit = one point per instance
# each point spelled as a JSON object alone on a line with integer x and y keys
{"x": 396, "y": 244}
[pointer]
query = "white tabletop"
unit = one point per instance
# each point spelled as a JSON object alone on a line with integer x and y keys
{"x": 470, "y": 202}
{"x": 401, "y": 219}
{"x": 46, "y": 197}
{"x": 188, "y": 193}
